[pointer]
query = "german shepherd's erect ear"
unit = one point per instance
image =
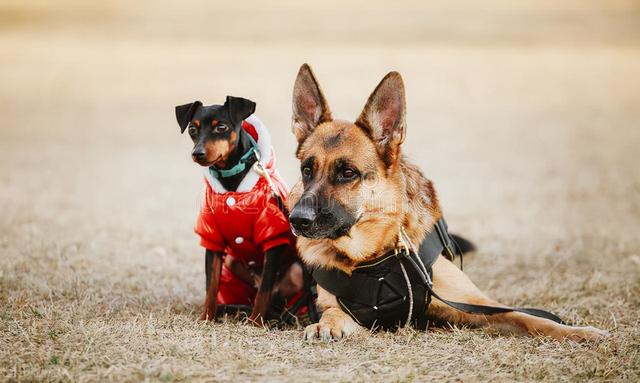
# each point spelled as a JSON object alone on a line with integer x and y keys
{"x": 310, "y": 108}
{"x": 383, "y": 117}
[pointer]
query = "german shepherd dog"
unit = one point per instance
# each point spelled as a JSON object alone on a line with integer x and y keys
{"x": 357, "y": 192}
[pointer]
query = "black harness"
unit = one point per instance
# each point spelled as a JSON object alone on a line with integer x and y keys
{"x": 397, "y": 287}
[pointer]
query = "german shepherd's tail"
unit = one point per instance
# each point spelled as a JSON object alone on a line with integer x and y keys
{"x": 465, "y": 245}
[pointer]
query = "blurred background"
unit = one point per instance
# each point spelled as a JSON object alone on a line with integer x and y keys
{"x": 523, "y": 113}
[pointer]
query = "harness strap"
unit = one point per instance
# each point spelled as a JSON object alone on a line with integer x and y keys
{"x": 364, "y": 290}
{"x": 355, "y": 287}
{"x": 448, "y": 244}
{"x": 480, "y": 309}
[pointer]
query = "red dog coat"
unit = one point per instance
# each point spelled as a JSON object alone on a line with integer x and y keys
{"x": 247, "y": 222}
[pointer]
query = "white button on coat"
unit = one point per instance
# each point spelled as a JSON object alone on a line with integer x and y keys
{"x": 239, "y": 240}
{"x": 231, "y": 201}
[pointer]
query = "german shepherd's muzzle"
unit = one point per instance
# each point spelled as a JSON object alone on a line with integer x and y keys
{"x": 319, "y": 216}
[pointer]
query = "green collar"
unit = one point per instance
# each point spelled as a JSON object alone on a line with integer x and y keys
{"x": 240, "y": 166}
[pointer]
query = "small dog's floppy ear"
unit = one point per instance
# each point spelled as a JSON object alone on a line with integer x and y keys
{"x": 383, "y": 117}
{"x": 310, "y": 108}
{"x": 239, "y": 108}
{"x": 184, "y": 114}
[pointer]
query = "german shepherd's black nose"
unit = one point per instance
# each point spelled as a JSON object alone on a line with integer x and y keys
{"x": 302, "y": 216}
{"x": 319, "y": 217}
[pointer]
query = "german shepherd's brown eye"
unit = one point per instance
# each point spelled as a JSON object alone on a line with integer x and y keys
{"x": 221, "y": 128}
{"x": 306, "y": 171}
{"x": 344, "y": 172}
{"x": 348, "y": 173}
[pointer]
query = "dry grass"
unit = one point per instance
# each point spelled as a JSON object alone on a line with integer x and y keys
{"x": 526, "y": 117}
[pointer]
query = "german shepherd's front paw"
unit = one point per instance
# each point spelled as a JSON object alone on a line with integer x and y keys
{"x": 323, "y": 331}
{"x": 333, "y": 325}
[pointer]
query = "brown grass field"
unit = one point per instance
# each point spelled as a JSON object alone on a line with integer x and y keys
{"x": 525, "y": 114}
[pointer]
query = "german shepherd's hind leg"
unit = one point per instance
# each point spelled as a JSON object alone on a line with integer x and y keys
{"x": 334, "y": 323}
{"x": 452, "y": 284}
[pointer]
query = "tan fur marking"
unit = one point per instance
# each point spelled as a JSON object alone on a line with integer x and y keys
{"x": 217, "y": 150}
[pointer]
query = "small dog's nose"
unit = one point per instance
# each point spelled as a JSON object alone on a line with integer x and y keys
{"x": 302, "y": 217}
{"x": 198, "y": 154}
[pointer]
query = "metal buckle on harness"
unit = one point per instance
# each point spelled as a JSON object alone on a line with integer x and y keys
{"x": 429, "y": 279}
{"x": 445, "y": 239}
{"x": 450, "y": 252}
{"x": 403, "y": 238}
{"x": 410, "y": 249}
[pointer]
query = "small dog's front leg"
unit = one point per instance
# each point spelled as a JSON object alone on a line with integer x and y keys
{"x": 334, "y": 324}
{"x": 213, "y": 268}
{"x": 266, "y": 284}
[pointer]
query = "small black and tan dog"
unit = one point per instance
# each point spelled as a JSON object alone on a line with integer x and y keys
{"x": 250, "y": 250}
{"x": 217, "y": 136}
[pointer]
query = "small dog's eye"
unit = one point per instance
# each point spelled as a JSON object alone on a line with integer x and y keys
{"x": 221, "y": 128}
{"x": 306, "y": 171}
{"x": 192, "y": 130}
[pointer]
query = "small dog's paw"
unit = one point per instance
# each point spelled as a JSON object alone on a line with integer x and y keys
{"x": 323, "y": 331}
{"x": 207, "y": 316}
{"x": 257, "y": 320}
